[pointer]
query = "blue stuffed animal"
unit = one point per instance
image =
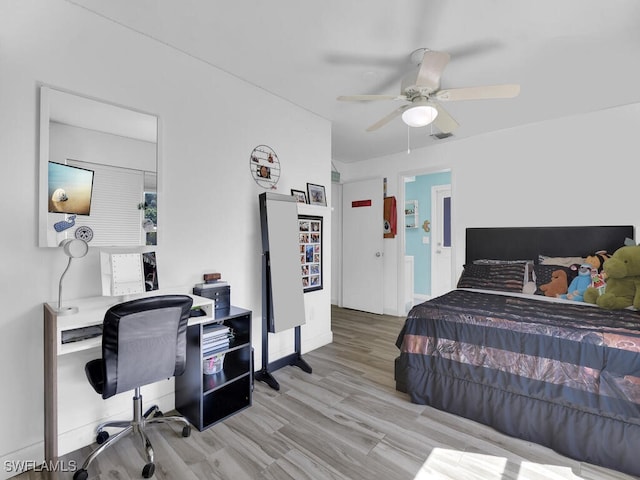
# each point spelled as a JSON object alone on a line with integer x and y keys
{"x": 579, "y": 285}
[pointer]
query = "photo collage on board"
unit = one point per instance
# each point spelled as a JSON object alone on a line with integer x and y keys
{"x": 310, "y": 240}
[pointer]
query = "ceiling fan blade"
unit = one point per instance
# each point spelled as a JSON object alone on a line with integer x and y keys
{"x": 431, "y": 68}
{"x": 368, "y": 98}
{"x": 351, "y": 59}
{"x": 389, "y": 69}
{"x": 383, "y": 121}
{"x": 479, "y": 93}
{"x": 444, "y": 121}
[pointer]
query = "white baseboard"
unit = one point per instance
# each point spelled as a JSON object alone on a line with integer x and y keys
{"x": 26, "y": 458}
{"x": 307, "y": 346}
{"x": 317, "y": 342}
{"x": 32, "y": 456}
{"x": 86, "y": 434}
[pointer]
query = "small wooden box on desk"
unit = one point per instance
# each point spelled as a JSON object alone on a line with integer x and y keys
{"x": 207, "y": 399}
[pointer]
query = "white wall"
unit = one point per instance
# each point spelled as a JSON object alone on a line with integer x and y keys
{"x": 336, "y": 239}
{"x": 580, "y": 170}
{"x": 67, "y": 142}
{"x": 208, "y": 206}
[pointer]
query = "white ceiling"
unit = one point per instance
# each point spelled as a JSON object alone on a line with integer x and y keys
{"x": 569, "y": 56}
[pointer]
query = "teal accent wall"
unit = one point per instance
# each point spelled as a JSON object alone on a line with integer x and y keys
{"x": 420, "y": 190}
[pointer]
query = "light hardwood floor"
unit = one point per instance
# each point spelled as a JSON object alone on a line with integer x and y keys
{"x": 343, "y": 421}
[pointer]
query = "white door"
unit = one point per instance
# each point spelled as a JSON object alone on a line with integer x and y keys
{"x": 441, "y": 281}
{"x": 362, "y": 236}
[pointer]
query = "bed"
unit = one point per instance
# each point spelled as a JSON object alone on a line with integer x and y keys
{"x": 555, "y": 372}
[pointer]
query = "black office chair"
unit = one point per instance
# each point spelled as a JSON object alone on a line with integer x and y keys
{"x": 143, "y": 341}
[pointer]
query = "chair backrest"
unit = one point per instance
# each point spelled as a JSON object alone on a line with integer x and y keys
{"x": 144, "y": 341}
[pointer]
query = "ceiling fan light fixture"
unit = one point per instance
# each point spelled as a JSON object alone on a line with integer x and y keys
{"x": 420, "y": 115}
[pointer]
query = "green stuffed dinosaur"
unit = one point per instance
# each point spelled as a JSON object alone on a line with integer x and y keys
{"x": 623, "y": 280}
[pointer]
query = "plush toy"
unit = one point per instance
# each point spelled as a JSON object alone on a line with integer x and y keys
{"x": 598, "y": 281}
{"x": 623, "y": 280}
{"x": 557, "y": 285}
{"x": 579, "y": 284}
{"x": 597, "y": 259}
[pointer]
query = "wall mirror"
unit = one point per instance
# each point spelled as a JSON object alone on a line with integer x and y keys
{"x": 98, "y": 172}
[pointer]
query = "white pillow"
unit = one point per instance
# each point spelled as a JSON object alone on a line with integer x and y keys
{"x": 562, "y": 261}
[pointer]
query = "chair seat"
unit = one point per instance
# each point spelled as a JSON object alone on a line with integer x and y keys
{"x": 95, "y": 374}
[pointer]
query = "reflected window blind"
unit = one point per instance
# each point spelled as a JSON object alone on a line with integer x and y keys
{"x": 117, "y": 192}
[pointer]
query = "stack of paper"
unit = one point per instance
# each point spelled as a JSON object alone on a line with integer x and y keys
{"x": 215, "y": 338}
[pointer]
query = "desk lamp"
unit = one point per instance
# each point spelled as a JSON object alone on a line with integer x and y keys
{"x": 72, "y": 248}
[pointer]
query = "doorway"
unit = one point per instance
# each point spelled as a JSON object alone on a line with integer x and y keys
{"x": 440, "y": 240}
{"x": 427, "y": 236}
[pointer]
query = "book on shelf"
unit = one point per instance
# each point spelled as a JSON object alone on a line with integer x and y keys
{"x": 214, "y": 342}
{"x": 216, "y": 330}
{"x": 215, "y": 327}
{"x": 211, "y": 350}
{"x": 212, "y": 338}
{"x": 216, "y": 338}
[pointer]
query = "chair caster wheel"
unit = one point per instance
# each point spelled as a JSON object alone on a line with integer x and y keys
{"x": 147, "y": 471}
{"x": 186, "y": 431}
{"x": 80, "y": 474}
{"x": 102, "y": 437}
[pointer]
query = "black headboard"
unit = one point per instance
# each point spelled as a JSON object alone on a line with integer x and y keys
{"x": 526, "y": 243}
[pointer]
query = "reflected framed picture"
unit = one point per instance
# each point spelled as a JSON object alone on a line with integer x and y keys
{"x": 310, "y": 244}
{"x": 70, "y": 189}
{"x": 316, "y": 194}
{"x": 300, "y": 196}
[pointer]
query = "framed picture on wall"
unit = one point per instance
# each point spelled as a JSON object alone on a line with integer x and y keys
{"x": 299, "y": 195}
{"x": 316, "y": 194}
{"x": 310, "y": 241}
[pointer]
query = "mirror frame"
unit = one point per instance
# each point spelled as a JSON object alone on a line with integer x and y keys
{"x": 152, "y": 126}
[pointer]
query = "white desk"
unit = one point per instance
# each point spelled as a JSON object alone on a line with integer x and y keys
{"x": 64, "y": 370}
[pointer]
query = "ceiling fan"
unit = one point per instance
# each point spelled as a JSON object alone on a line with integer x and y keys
{"x": 422, "y": 92}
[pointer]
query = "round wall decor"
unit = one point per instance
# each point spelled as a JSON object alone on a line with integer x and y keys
{"x": 84, "y": 233}
{"x": 265, "y": 166}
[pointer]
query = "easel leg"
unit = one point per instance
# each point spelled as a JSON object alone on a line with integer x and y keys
{"x": 266, "y": 377}
{"x": 299, "y": 361}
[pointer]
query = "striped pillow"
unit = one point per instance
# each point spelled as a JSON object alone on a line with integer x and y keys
{"x": 501, "y": 277}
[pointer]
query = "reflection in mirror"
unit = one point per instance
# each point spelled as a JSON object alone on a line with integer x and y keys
{"x": 150, "y": 222}
{"x": 128, "y": 273}
{"x": 98, "y": 172}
